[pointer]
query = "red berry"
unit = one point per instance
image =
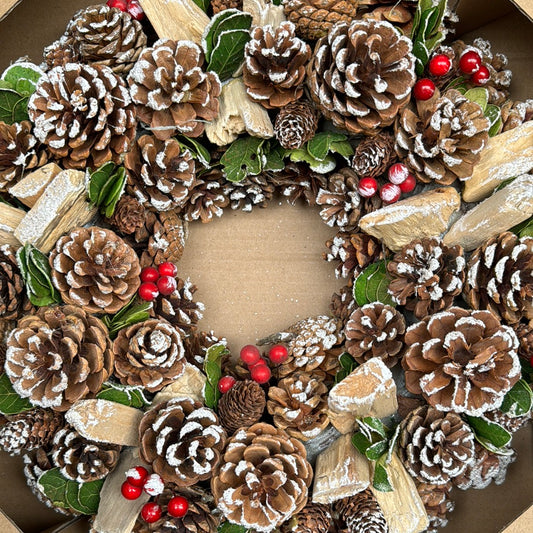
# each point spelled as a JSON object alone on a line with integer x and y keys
{"x": 409, "y": 184}
{"x": 225, "y": 384}
{"x": 278, "y": 354}
{"x": 424, "y": 89}
{"x": 469, "y": 62}
{"x": 135, "y": 10}
{"x": 154, "y": 485}
{"x": 119, "y": 4}
{"x": 261, "y": 361}
{"x": 168, "y": 269}
{"x": 148, "y": 291}
{"x": 481, "y": 76}
{"x": 151, "y": 512}
{"x": 440, "y": 65}
{"x": 149, "y": 274}
{"x": 137, "y": 476}
{"x": 390, "y": 193}
{"x": 129, "y": 491}
{"x": 367, "y": 187}
{"x": 398, "y": 173}
{"x": 260, "y": 374}
{"x": 531, "y": 361}
{"x": 178, "y": 506}
{"x": 250, "y": 354}
{"x": 166, "y": 285}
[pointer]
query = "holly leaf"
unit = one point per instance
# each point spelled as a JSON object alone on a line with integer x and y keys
{"x": 10, "y": 402}
{"x": 132, "y": 313}
{"x": 243, "y": 158}
{"x": 228, "y": 53}
{"x": 123, "y": 394}
{"x": 519, "y": 400}
{"x": 213, "y": 371}
{"x": 375, "y": 425}
{"x": 361, "y": 442}
{"x": 381, "y": 477}
{"x": 13, "y": 106}
{"x": 372, "y": 284}
{"x": 377, "y": 449}
{"x": 105, "y": 187}
{"x": 490, "y": 432}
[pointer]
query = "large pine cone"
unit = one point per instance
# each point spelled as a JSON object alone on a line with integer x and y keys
{"x": 161, "y": 174}
{"x": 296, "y": 123}
{"x": 57, "y": 356}
{"x": 374, "y": 155}
{"x": 441, "y": 139}
{"x": 500, "y": 277}
{"x": 298, "y": 405}
{"x": 361, "y": 513}
{"x": 106, "y": 36}
{"x": 461, "y": 361}
{"x": 83, "y": 114}
{"x": 149, "y": 354}
{"x": 95, "y": 269}
{"x": 83, "y": 460}
{"x": 375, "y": 330}
{"x": 262, "y": 479}
{"x": 172, "y": 92}
{"x": 436, "y": 500}
{"x": 182, "y": 440}
{"x": 426, "y": 276}
{"x": 13, "y": 301}
{"x": 361, "y": 75}
{"x": 313, "y": 518}
{"x": 435, "y": 447}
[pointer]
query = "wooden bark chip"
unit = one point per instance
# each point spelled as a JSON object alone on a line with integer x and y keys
{"x": 30, "y": 188}
{"x": 10, "y": 218}
{"x": 189, "y": 385}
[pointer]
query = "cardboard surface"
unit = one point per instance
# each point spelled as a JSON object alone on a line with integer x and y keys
{"x": 522, "y": 523}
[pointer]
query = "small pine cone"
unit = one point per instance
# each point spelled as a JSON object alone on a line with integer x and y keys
{"x": 340, "y": 201}
{"x": 361, "y": 513}
{"x": 375, "y": 330}
{"x": 95, "y": 269}
{"x": 83, "y": 460}
{"x": 448, "y": 362}
{"x": 343, "y": 304}
{"x": 149, "y": 354}
{"x": 354, "y": 252}
{"x": 196, "y": 345}
{"x": 274, "y": 65}
{"x": 511, "y": 423}
{"x": 298, "y": 405}
{"x": 500, "y": 277}
{"x": 182, "y": 440}
{"x": 436, "y": 500}
{"x": 182, "y": 105}
{"x": 242, "y": 406}
{"x": 77, "y": 343}
{"x": 129, "y": 215}
{"x": 426, "y": 276}
{"x": 361, "y": 75}
{"x": 29, "y": 430}
{"x": 60, "y": 52}
{"x": 374, "y": 155}
{"x": 13, "y": 301}
{"x": 315, "y": 18}
{"x": 222, "y": 5}
{"x": 313, "y": 518}
{"x": 296, "y": 124}
{"x": 19, "y": 152}
{"x": 514, "y": 114}
{"x": 83, "y": 114}
{"x": 250, "y": 192}
{"x": 435, "y": 447}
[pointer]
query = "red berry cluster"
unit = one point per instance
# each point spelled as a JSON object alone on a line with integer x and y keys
{"x": 400, "y": 180}
{"x": 156, "y": 281}
{"x": 128, "y": 6}
{"x": 470, "y": 64}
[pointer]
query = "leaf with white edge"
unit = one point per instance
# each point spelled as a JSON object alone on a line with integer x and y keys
{"x": 320, "y": 145}
{"x": 343, "y": 148}
{"x": 243, "y": 158}
{"x": 381, "y": 477}
{"x": 13, "y": 106}
{"x": 54, "y": 486}
{"x": 228, "y": 54}
{"x": 273, "y": 158}
{"x": 361, "y": 442}
{"x": 197, "y": 150}
{"x": 519, "y": 400}
{"x": 494, "y": 449}
{"x": 10, "y": 402}
{"x": 23, "y": 77}
{"x": 489, "y": 431}
{"x": 213, "y": 371}
{"x": 126, "y": 395}
{"x": 392, "y": 444}
{"x": 376, "y": 425}
{"x": 372, "y": 284}
{"x": 376, "y": 450}
{"x": 479, "y": 95}
{"x": 89, "y": 497}
{"x": 132, "y": 313}
{"x": 328, "y": 164}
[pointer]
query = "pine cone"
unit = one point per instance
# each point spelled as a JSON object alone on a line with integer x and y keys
{"x": 129, "y": 215}
{"x": 435, "y": 447}
{"x": 83, "y": 114}
{"x": 94, "y": 268}
{"x": 222, "y": 5}
{"x": 436, "y": 500}
{"x": 274, "y": 65}
{"x": 149, "y": 354}
{"x": 57, "y": 356}
{"x": 315, "y": 18}
{"x": 399, "y": 13}
{"x": 374, "y": 155}
{"x": 29, "y": 430}
{"x": 13, "y": 301}
{"x": 296, "y": 123}
{"x": 511, "y": 423}
{"x": 181, "y": 100}
{"x": 514, "y": 114}
{"x": 361, "y": 75}
{"x": 262, "y": 479}
{"x": 250, "y": 192}
{"x": 182, "y": 440}
{"x": 242, "y": 406}
{"x": 196, "y": 345}
{"x": 500, "y": 277}
{"x": 60, "y": 52}
{"x": 83, "y": 460}
{"x": 313, "y": 518}
{"x": 298, "y": 405}
{"x": 361, "y": 513}
{"x": 461, "y": 361}
{"x": 375, "y": 330}
{"x": 441, "y": 139}
{"x": 343, "y": 304}
{"x": 426, "y": 276}
{"x": 524, "y": 332}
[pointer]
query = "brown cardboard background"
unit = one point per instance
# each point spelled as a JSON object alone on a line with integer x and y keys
{"x": 251, "y": 268}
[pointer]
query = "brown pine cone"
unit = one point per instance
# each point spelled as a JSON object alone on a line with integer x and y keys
{"x": 313, "y": 518}
{"x": 262, "y": 478}
{"x": 196, "y": 345}
{"x": 129, "y": 215}
{"x": 58, "y": 355}
{"x": 441, "y": 139}
{"x": 13, "y": 301}
{"x": 29, "y": 430}
{"x": 374, "y": 155}
{"x": 514, "y": 114}
{"x": 182, "y": 440}
{"x": 511, "y": 423}
{"x": 83, "y": 114}
{"x": 295, "y": 124}
{"x": 242, "y": 406}
{"x": 83, "y": 460}
{"x": 182, "y": 100}
{"x": 315, "y": 18}
{"x": 375, "y": 330}
{"x": 149, "y": 354}
{"x": 250, "y": 192}
{"x": 343, "y": 304}
{"x": 274, "y": 65}
{"x": 361, "y": 513}
{"x": 6, "y": 326}
{"x": 436, "y": 500}
{"x": 524, "y": 332}
{"x": 60, "y": 52}
{"x": 95, "y": 269}
{"x": 500, "y": 277}
{"x": 361, "y": 75}
{"x": 435, "y": 447}
{"x": 461, "y": 361}
{"x": 222, "y": 5}
{"x": 399, "y": 13}
{"x": 298, "y": 405}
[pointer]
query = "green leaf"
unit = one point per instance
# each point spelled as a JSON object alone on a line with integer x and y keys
{"x": 361, "y": 442}
{"x": 375, "y": 424}
{"x": 377, "y": 449}
{"x": 13, "y": 106}
{"x": 242, "y": 158}
{"x": 347, "y": 364}
{"x": 10, "y": 402}
{"x": 197, "y": 150}
{"x": 381, "y": 478}
{"x": 23, "y": 77}
{"x": 54, "y": 486}
{"x": 519, "y": 400}
{"x": 479, "y": 95}
{"x": 228, "y": 53}
{"x": 320, "y": 145}
{"x": 132, "y": 313}
{"x": 497, "y": 435}
{"x": 322, "y": 167}
{"x": 123, "y": 394}
{"x": 228, "y": 527}
{"x": 106, "y": 185}
{"x": 274, "y": 159}
{"x": 202, "y": 4}
{"x": 372, "y": 284}
{"x": 213, "y": 371}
